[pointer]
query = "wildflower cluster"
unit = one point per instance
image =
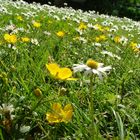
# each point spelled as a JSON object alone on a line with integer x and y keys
{"x": 67, "y": 74}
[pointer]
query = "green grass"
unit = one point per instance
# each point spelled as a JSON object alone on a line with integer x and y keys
{"x": 115, "y": 100}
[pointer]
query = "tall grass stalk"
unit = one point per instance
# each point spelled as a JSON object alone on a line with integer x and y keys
{"x": 119, "y": 124}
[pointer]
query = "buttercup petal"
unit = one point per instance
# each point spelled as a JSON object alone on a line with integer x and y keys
{"x": 53, "y": 118}
{"x": 53, "y": 68}
{"x": 64, "y": 73}
{"x": 56, "y": 107}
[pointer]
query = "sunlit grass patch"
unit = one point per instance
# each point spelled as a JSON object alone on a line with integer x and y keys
{"x": 67, "y": 74}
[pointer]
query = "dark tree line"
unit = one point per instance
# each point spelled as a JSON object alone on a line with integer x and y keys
{"x": 128, "y": 8}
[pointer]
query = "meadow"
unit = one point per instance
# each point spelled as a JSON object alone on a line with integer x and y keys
{"x": 66, "y": 74}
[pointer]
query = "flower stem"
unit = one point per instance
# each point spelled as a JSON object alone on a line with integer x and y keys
{"x": 91, "y": 109}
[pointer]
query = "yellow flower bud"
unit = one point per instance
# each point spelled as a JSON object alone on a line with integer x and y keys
{"x": 37, "y": 92}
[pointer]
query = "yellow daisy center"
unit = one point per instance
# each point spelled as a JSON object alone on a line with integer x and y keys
{"x": 92, "y": 64}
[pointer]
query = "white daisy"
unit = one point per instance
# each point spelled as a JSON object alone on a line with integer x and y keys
{"x": 35, "y": 41}
{"x": 123, "y": 40}
{"x": 92, "y": 67}
{"x": 7, "y": 108}
{"x": 97, "y": 44}
{"x": 10, "y": 27}
{"x": 138, "y": 46}
{"x": 24, "y": 129}
{"x": 111, "y": 54}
